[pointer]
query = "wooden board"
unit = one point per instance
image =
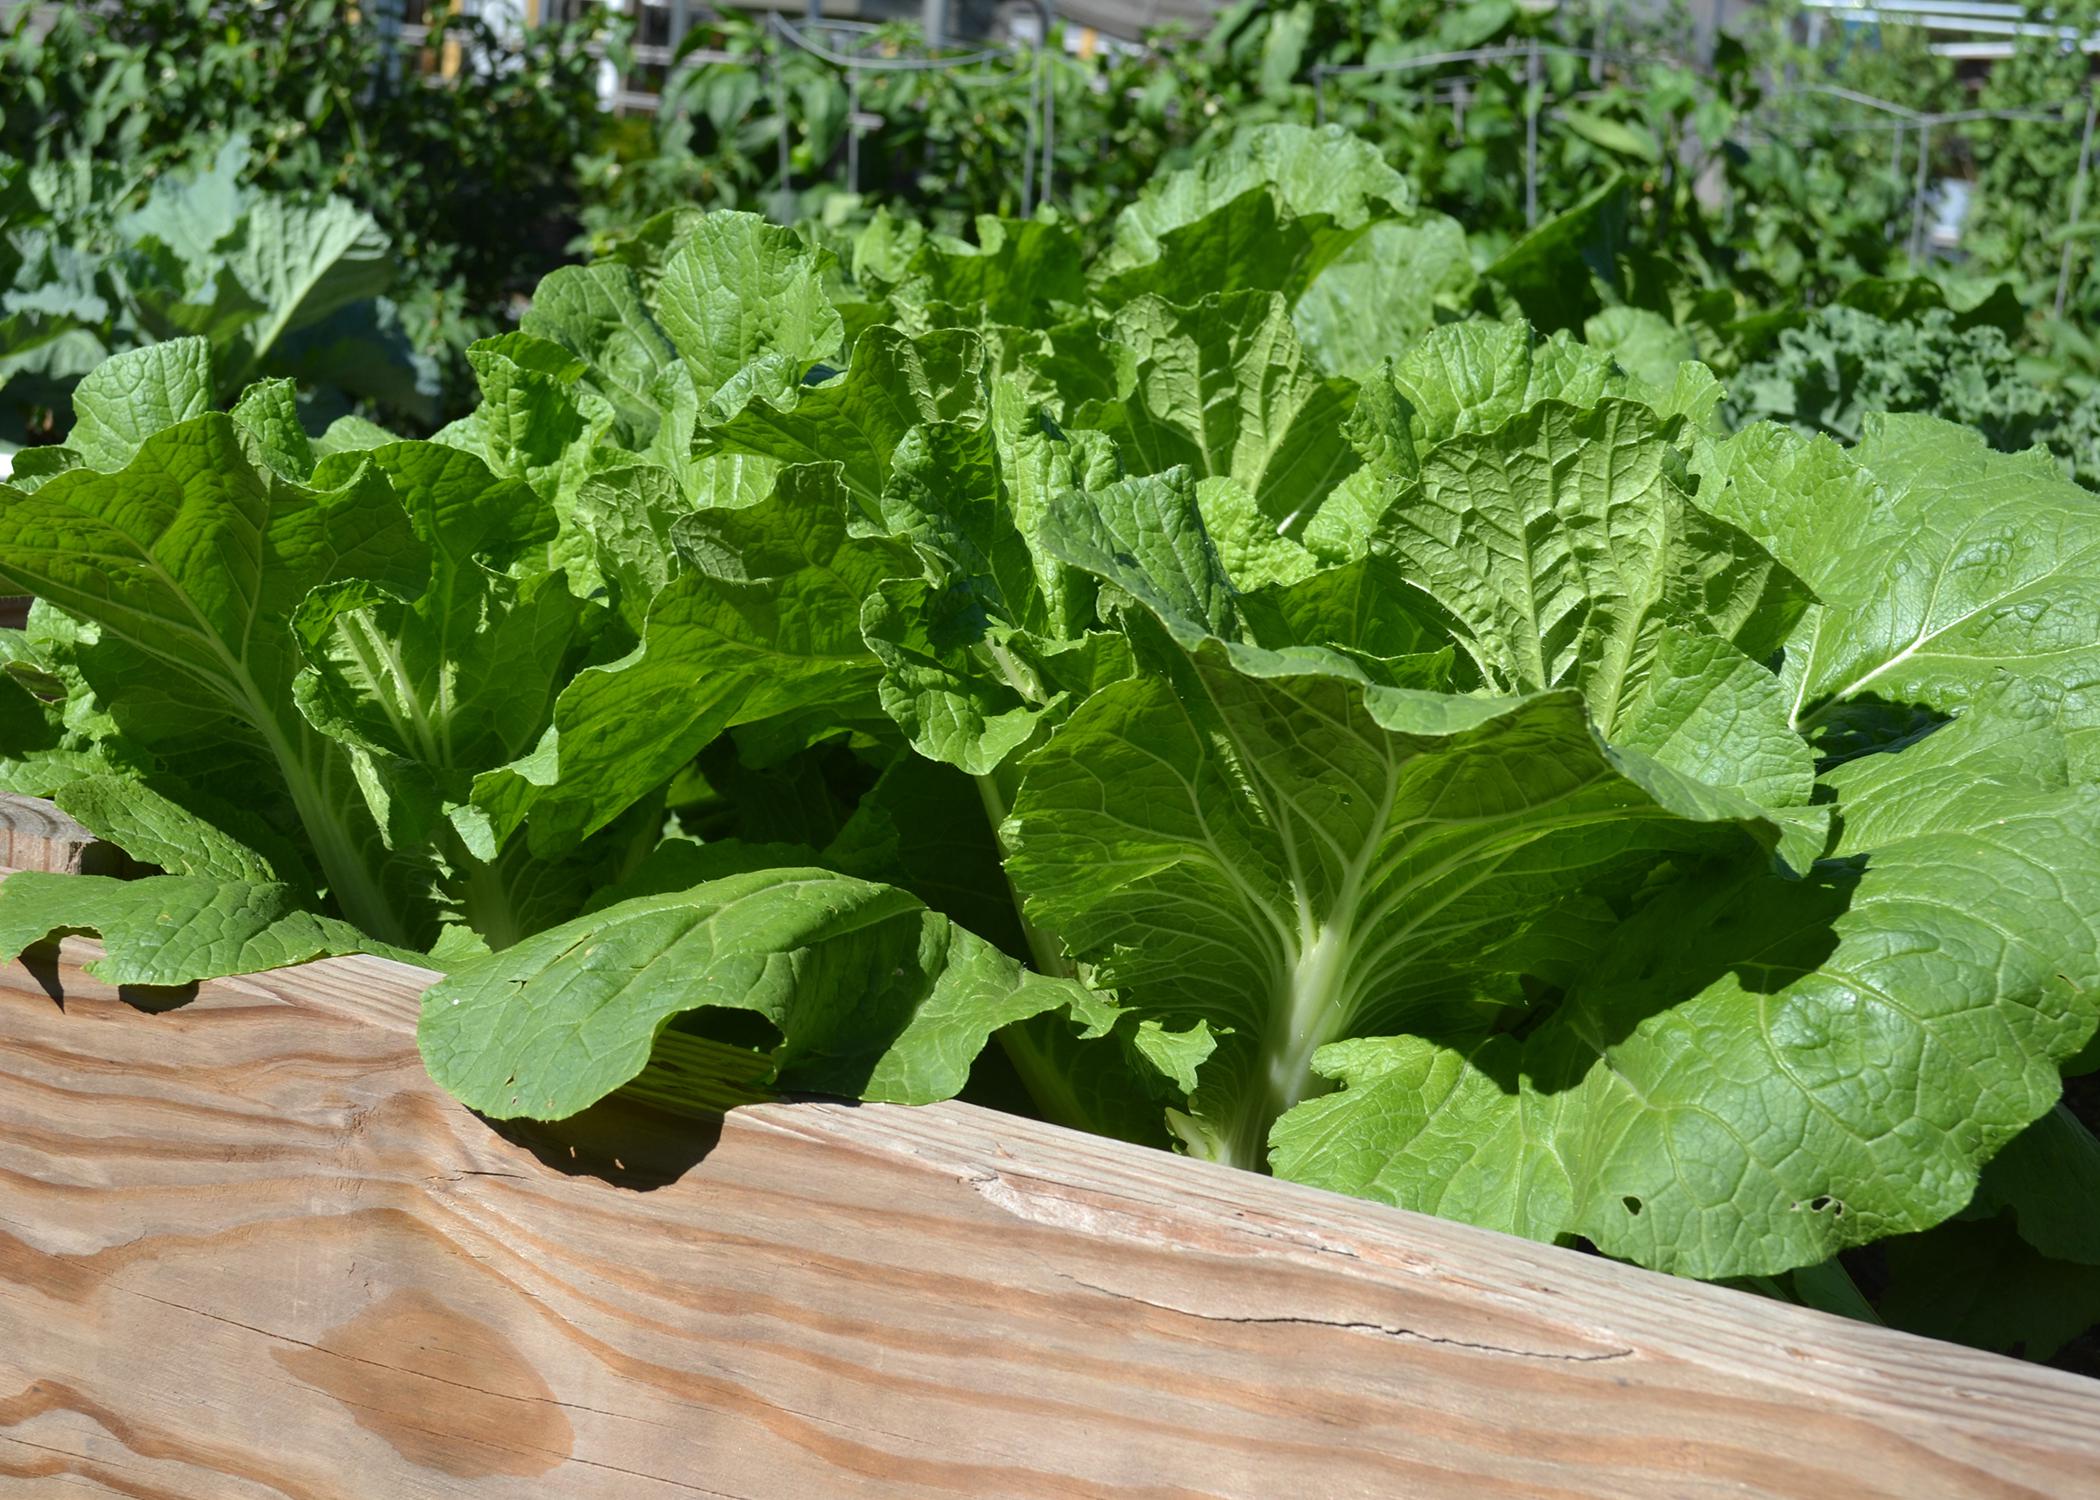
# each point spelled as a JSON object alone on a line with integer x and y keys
{"x": 34, "y": 835}
{"x": 247, "y": 1249}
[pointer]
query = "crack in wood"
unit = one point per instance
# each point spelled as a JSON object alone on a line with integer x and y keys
{"x": 1351, "y": 1325}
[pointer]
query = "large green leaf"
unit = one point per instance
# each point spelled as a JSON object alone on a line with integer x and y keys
{"x": 596, "y": 312}
{"x": 129, "y": 397}
{"x": 174, "y": 929}
{"x": 1268, "y": 841}
{"x": 192, "y": 560}
{"x": 854, "y": 420}
{"x": 1940, "y": 564}
{"x": 1268, "y": 212}
{"x": 1222, "y": 387}
{"x": 740, "y": 292}
{"x": 873, "y": 996}
{"x": 764, "y": 622}
{"x": 1752, "y": 1074}
{"x": 301, "y": 262}
{"x": 1384, "y": 292}
{"x": 1568, "y": 556}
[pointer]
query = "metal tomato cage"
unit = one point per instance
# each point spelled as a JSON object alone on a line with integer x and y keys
{"x": 1902, "y": 123}
{"x": 1533, "y": 55}
{"x": 860, "y": 47}
{"x": 1899, "y": 120}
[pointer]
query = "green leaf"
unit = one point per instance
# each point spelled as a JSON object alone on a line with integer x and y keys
{"x": 1280, "y": 437}
{"x": 302, "y": 262}
{"x": 873, "y": 996}
{"x": 855, "y": 420}
{"x": 596, "y": 312}
{"x": 1908, "y": 1021}
{"x": 1384, "y": 292}
{"x": 766, "y": 622}
{"x": 739, "y": 291}
{"x": 1568, "y": 555}
{"x": 1940, "y": 564}
{"x": 156, "y": 829}
{"x": 1270, "y": 841}
{"x": 174, "y": 929}
{"x": 192, "y": 560}
{"x": 269, "y": 412}
{"x": 129, "y": 397}
{"x": 1267, "y": 213}
{"x": 425, "y": 690}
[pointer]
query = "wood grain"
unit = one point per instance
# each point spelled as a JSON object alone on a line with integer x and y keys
{"x": 34, "y": 835}
{"x": 247, "y": 1249}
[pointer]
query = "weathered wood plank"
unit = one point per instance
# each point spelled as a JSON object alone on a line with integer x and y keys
{"x": 248, "y": 1249}
{"x": 34, "y": 835}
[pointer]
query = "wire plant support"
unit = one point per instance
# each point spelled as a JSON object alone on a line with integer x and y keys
{"x": 1902, "y": 123}
{"x": 1532, "y": 54}
{"x": 856, "y": 48}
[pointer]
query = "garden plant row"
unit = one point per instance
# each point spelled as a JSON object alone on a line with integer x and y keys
{"x": 1246, "y": 691}
{"x": 138, "y": 141}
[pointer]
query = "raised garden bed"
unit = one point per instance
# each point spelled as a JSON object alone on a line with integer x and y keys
{"x": 248, "y": 1248}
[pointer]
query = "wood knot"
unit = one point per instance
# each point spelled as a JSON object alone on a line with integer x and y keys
{"x": 445, "y": 1391}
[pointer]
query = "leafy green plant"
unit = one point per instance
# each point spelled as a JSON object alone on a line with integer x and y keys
{"x": 471, "y": 178}
{"x": 274, "y": 286}
{"x": 1845, "y": 363}
{"x": 1472, "y": 779}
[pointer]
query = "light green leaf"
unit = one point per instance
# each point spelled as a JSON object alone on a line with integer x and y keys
{"x": 1279, "y": 435}
{"x": 1383, "y": 293}
{"x": 174, "y": 929}
{"x": 192, "y": 561}
{"x": 1752, "y": 1074}
{"x": 765, "y": 622}
{"x": 1940, "y": 564}
{"x": 855, "y": 420}
{"x": 130, "y": 396}
{"x": 596, "y": 312}
{"x": 1268, "y": 213}
{"x": 740, "y": 291}
{"x": 873, "y": 996}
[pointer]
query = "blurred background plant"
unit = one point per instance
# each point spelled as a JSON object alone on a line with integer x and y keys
{"x": 471, "y": 172}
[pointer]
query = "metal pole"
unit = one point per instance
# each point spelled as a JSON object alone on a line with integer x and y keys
{"x": 782, "y": 199}
{"x": 1319, "y": 93}
{"x": 1531, "y": 137}
{"x": 1049, "y": 135}
{"x": 853, "y": 130}
{"x": 2078, "y": 187}
{"x": 1035, "y": 92}
{"x": 1917, "y": 194}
